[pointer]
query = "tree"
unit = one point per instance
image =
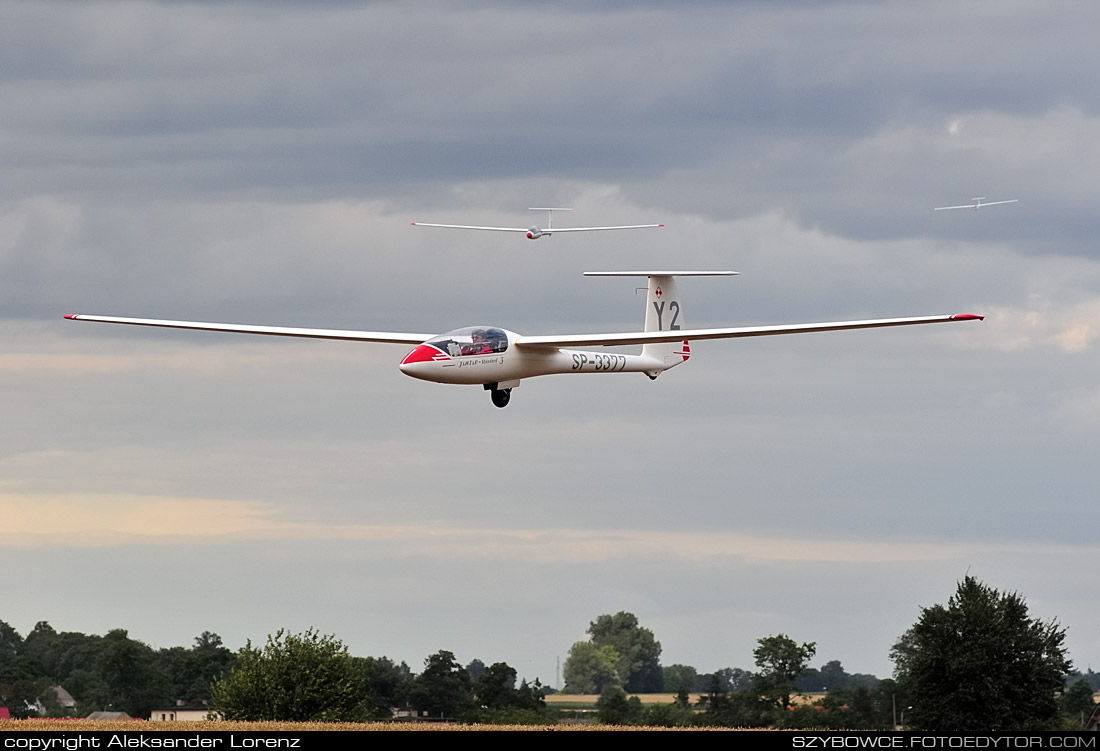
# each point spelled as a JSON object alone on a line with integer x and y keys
{"x": 443, "y": 689}
{"x": 590, "y": 669}
{"x": 296, "y": 677}
{"x": 729, "y": 679}
{"x": 613, "y": 708}
{"x": 10, "y": 644}
{"x": 496, "y": 686}
{"x": 191, "y": 672}
{"x": 135, "y": 684}
{"x": 639, "y": 663}
{"x": 500, "y": 702}
{"x": 680, "y": 677}
{"x": 475, "y": 668}
{"x": 674, "y": 715}
{"x": 781, "y": 660}
{"x": 21, "y": 696}
{"x": 17, "y": 688}
{"x": 89, "y": 690}
{"x": 743, "y": 708}
{"x": 1077, "y": 703}
{"x": 385, "y": 684}
{"x": 833, "y": 675}
{"x": 531, "y": 695}
{"x": 39, "y": 653}
{"x": 981, "y": 663}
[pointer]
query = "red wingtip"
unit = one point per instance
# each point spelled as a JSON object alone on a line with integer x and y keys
{"x": 967, "y": 317}
{"x": 660, "y": 225}
{"x": 71, "y": 315}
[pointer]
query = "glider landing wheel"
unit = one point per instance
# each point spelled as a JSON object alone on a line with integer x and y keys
{"x": 501, "y": 396}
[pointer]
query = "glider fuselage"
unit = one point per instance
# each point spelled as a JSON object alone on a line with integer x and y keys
{"x": 485, "y": 354}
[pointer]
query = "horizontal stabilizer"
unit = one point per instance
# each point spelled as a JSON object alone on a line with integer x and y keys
{"x": 661, "y": 273}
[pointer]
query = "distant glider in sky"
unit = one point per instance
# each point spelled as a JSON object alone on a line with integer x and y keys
{"x": 977, "y": 204}
{"x": 534, "y": 233}
{"x": 497, "y": 359}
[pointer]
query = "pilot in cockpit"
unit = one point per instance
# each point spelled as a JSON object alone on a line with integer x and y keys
{"x": 480, "y": 344}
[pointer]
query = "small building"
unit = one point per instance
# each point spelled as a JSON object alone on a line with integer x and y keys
{"x": 64, "y": 698}
{"x": 183, "y": 713}
{"x": 109, "y": 716}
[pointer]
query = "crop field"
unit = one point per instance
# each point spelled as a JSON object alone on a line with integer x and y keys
{"x": 588, "y": 701}
{"x": 39, "y": 726}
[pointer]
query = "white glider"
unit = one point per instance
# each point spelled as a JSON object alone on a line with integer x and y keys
{"x": 498, "y": 359}
{"x": 977, "y": 204}
{"x": 534, "y": 233}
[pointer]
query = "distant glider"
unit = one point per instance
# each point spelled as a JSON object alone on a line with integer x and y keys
{"x": 534, "y": 233}
{"x": 977, "y": 204}
{"x": 497, "y": 359}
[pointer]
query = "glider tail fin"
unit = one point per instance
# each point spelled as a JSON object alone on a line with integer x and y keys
{"x": 663, "y": 312}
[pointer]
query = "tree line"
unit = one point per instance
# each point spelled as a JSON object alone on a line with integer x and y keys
{"x": 109, "y": 673}
{"x": 979, "y": 663}
{"x": 307, "y": 677}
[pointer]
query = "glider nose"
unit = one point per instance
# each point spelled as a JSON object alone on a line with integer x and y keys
{"x": 420, "y": 361}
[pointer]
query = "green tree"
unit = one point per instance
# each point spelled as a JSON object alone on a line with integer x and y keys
{"x": 743, "y": 708}
{"x": 20, "y": 695}
{"x": 531, "y": 695}
{"x": 590, "y": 669}
{"x": 682, "y": 698}
{"x": 499, "y": 702}
{"x": 891, "y": 700}
{"x": 191, "y": 672}
{"x": 781, "y": 660}
{"x": 89, "y": 690}
{"x": 833, "y": 675}
{"x": 10, "y": 644}
{"x": 496, "y": 686}
{"x": 680, "y": 677}
{"x": 296, "y": 677}
{"x": 475, "y": 668}
{"x": 639, "y": 663}
{"x": 1094, "y": 679}
{"x": 674, "y": 715}
{"x": 1077, "y": 703}
{"x": 39, "y": 653}
{"x": 729, "y": 679}
{"x": 443, "y": 689}
{"x": 613, "y": 708}
{"x": 385, "y": 685}
{"x": 843, "y": 709}
{"x": 17, "y": 686}
{"x": 135, "y": 684}
{"x": 981, "y": 663}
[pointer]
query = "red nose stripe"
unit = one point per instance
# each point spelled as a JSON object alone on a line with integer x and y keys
{"x": 424, "y": 353}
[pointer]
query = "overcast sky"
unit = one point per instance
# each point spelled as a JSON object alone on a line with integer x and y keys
{"x": 257, "y": 162}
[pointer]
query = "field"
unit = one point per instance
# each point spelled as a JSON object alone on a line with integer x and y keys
{"x": 588, "y": 701}
{"x": 7, "y": 726}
